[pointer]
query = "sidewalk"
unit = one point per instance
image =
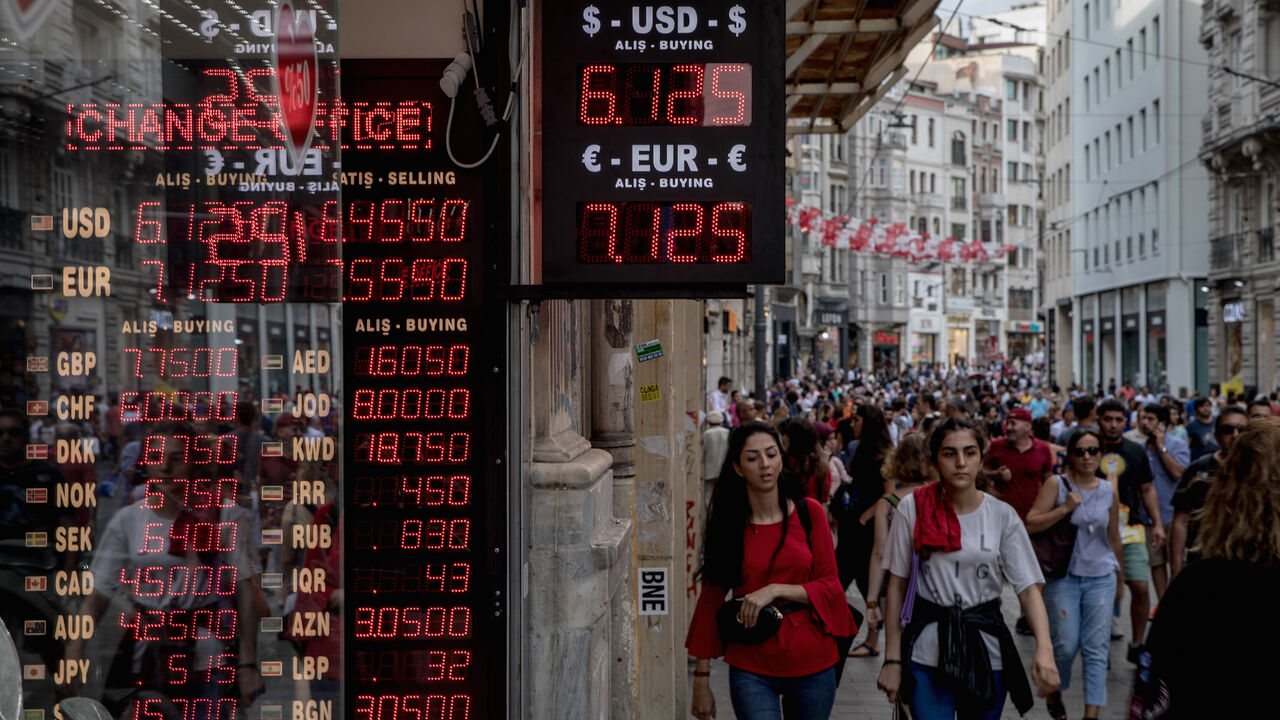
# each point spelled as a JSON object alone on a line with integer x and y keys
{"x": 858, "y": 699}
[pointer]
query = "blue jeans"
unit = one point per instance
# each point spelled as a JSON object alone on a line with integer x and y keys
{"x": 756, "y": 697}
{"x": 1080, "y": 621}
{"x": 933, "y": 698}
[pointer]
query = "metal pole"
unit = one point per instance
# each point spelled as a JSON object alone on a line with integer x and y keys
{"x": 761, "y": 326}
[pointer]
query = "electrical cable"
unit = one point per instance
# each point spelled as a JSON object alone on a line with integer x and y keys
{"x": 506, "y": 112}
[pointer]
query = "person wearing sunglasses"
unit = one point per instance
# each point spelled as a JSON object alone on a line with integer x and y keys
{"x": 1194, "y": 487}
{"x": 1079, "y": 603}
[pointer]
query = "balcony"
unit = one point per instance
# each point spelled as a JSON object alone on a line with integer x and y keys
{"x": 958, "y": 202}
{"x": 1266, "y": 245}
{"x": 990, "y": 200}
{"x": 1226, "y": 252}
{"x": 930, "y": 200}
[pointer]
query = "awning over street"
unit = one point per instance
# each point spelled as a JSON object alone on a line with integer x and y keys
{"x": 844, "y": 55}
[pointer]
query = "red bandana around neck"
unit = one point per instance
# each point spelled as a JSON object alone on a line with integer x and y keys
{"x": 937, "y": 525}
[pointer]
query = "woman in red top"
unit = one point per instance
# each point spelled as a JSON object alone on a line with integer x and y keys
{"x": 756, "y": 547}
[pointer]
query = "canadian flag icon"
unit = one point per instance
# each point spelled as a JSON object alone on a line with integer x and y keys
{"x": 33, "y": 672}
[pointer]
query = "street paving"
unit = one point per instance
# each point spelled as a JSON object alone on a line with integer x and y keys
{"x": 858, "y": 699}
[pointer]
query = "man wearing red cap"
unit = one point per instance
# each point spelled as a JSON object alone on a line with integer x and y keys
{"x": 1018, "y": 463}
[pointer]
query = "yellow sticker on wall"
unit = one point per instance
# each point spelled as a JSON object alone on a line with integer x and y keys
{"x": 649, "y": 393}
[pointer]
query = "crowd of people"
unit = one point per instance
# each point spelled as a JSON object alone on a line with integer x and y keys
{"x": 942, "y": 486}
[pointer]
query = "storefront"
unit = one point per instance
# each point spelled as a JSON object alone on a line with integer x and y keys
{"x": 957, "y": 339}
{"x": 1157, "y": 370}
{"x": 924, "y": 340}
{"x": 1088, "y": 354}
{"x": 831, "y": 346}
{"x": 1233, "y": 317}
{"x": 1025, "y": 338}
{"x": 885, "y": 352}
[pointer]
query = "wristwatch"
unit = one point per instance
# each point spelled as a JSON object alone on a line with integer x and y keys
{"x": 1164, "y": 449}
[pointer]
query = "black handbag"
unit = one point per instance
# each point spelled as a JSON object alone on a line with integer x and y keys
{"x": 767, "y": 622}
{"x": 1054, "y": 546}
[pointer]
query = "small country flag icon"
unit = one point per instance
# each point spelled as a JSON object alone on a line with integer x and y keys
{"x": 273, "y": 493}
{"x": 273, "y": 536}
{"x": 38, "y": 363}
{"x": 35, "y": 496}
{"x": 269, "y": 449}
{"x": 273, "y": 406}
{"x": 37, "y": 714}
{"x": 37, "y": 452}
{"x": 37, "y": 539}
{"x": 272, "y": 581}
{"x": 272, "y": 624}
{"x": 38, "y": 583}
{"x": 37, "y": 407}
{"x": 272, "y": 712}
{"x": 32, "y": 672}
{"x": 34, "y": 627}
{"x": 41, "y": 223}
{"x": 42, "y": 281}
{"x": 272, "y": 362}
{"x": 272, "y": 668}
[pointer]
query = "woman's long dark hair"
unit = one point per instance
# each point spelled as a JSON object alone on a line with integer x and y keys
{"x": 864, "y": 465}
{"x": 729, "y": 511}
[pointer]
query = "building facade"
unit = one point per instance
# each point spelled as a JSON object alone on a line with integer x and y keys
{"x": 1238, "y": 302}
{"x": 1057, "y": 253}
{"x": 1139, "y": 209}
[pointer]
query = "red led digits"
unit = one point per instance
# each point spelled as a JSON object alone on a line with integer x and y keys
{"x": 413, "y": 707}
{"x": 664, "y": 95}
{"x": 176, "y": 625}
{"x": 727, "y": 223}
{"x": 443, "y": 280}
{"x": 177, "y": 363}
{"x": 684, "y": 107}
{"x": 413, "y": 665}
{"x": 411, "y": 404}
{"x": 412, "y": 360}
{"x": 452, "y": 577}
{"x": 730, "y": 103}
{"x": 648, "y": 233}
{"x": 392, "y": 448}
{"x": 598, "y": 95}
{"x": 430, "y": 534}
{"x": 180, "y": 406}
{"x": 686, "y": 230}
{"x": 385, "y": 623}
{"x": 217, "y": 449}
{"x": 203, "y": 581}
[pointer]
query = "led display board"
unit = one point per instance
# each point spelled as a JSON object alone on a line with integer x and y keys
{"x": 662, "y": 145}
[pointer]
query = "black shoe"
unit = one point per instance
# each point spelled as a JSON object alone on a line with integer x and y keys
{"x": 1023, "y": 627}
{"x": 1054, "y": 705}
{"x": 1134, "y": 652}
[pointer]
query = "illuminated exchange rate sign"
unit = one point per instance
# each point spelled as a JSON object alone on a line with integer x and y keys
{"x": 424, "y": 629}
{"x": 662, "y": 136}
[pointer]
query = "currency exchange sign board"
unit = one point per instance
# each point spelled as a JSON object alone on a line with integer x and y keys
{"x": 663, "y": 132}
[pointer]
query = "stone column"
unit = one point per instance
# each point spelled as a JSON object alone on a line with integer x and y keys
{"x": 578, "y": 552}
{"x": 613, "y": 396}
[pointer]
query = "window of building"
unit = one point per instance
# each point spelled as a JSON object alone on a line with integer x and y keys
{"x": 930, "y": 137}
{"x": 882, "y": 170}
{"x": 922, "y": 225}
{"x": 1106, "y": 253}
{"x": 1026, "y": 216}
{"x": 915, "y": 122}
{"x": 1235, "y": 48}
{"x": 1086, "y": 21}
{"x": 1026, "y": 172}
{"x": 1012, "y": 172}
{"x": 1010, "y": 90}
{"x": 983, "y": 185}
{"x": 957, "y": 231}
{"x": 1142, "y": 47}
{"x": 1155, "y": 240}
{"x": 957, "y": 193}
{"x": 1026, "y": 136}
{"x": 1013, "y": 214}
{"x": 1012, "y": 133}
{"x": 1155, "y": 36}
{"x": 1097, "y": 88}
{"x": 1272, "y": 47}
{"x": 957, "y": 149}
{"x": 1106, "y": 75}
{"x": 1142, "y": 244}
{"x": 1128, "y": 249}
{"x": 1119, "y": 71}
{"x": 837, "y": 147}
{"x": 1086, "y": 93}
{"x": 995, "y": 179}
{"x": 1095, "y": 258}
{"x": 1155, "y": 119}
{"x": 1066, "y": 50}
{"x": 937, "y": 226}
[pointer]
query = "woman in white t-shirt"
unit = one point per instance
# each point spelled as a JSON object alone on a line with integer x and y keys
{"x": 957, "y": 546}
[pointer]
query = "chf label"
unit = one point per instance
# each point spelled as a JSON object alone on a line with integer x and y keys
{"x": 74, "y": 407}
